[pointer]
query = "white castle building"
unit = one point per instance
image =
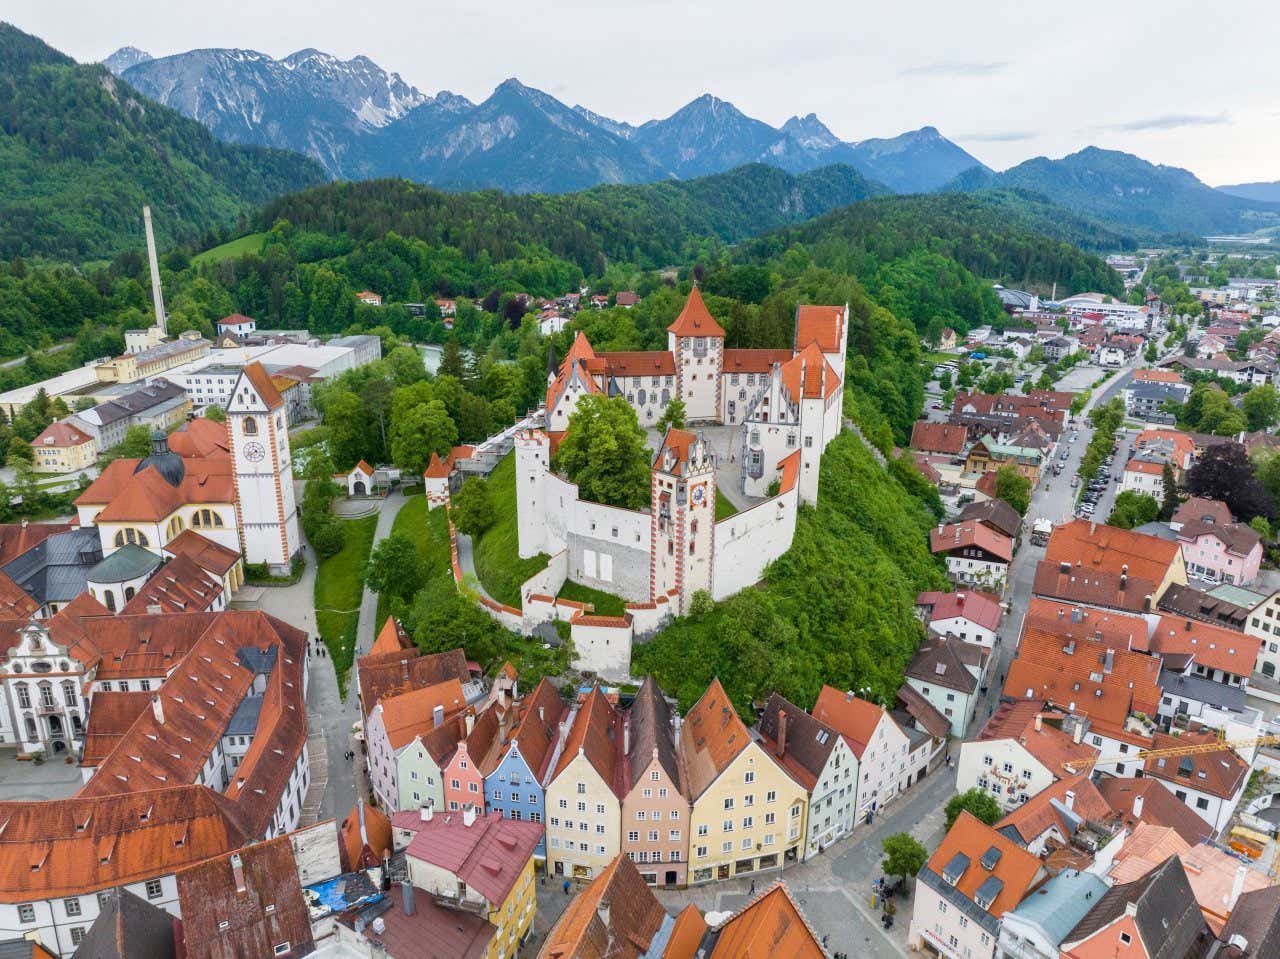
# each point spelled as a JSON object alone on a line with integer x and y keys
{"x": 788, "y": 405}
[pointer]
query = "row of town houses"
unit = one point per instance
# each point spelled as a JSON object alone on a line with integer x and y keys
{"x": 1119, "y": 755}
{"x": 689, "y": 798}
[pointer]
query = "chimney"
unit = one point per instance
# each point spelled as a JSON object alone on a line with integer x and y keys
{"x": 24, "y": 522}
{"x": 782, "y": 732}
{"x": 602, "y": 910}
{"x": 542, "y": 714}
{"x": 1093, "y": 526}
{"x": 626, "y": 737}
{"x": 470, "y": 721}
{"x": 1069, "y": 800}
{"x": 1077, "y": 734}
{"x": 1110, "y": 662}
{"x": 1137, "y": 806}
{"x": 848, "y": 696}
{"x": 237, "y": 872}
{"x": 406, "y": 893}
{"x": 469, "y": 816}
{"x": 157, "y": 708}
{"x": 1237, "y": 887}
{"x": 437, "y": 716}
{"x": 426, "y": 812}
{"x": 1039, "y": 722}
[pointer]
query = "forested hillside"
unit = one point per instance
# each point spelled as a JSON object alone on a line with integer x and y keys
{"x": 649, "y": 225}
{"x": 81, "y": 152}
{"x": 838, "y": 608}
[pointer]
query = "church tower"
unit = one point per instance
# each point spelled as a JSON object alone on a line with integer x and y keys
{"x": 696, "y": 341}
{"x": 259, "y": 428}
{"x": 683, "y": 518}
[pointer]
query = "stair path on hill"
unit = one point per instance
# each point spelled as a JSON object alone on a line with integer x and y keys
{"x": 852, "y": 427}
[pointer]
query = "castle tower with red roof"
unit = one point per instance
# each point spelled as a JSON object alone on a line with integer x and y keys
{"x": 696, "y": 341}
{"x": 684, "y": 514}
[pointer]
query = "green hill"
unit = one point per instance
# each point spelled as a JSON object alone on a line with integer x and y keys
{"x": 81, "y": 152}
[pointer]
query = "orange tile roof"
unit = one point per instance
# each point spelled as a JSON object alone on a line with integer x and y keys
{"x": 109, "y": 719}
{"x": 770, "y": 926}
{"x": 678, "y": 441}
{"x": 410, "y": 714}
{"x": 363, "y": 838}
{"x": 1219, "y": 773}
{"x": 391, "y": 638}
{"x": 1051, "y": 747}
{"x": 753, "y": 361}
{"x": 853, "y": 718}
{"x": 712, "y": 737}
{"x": 686, "y": 934}
{"x": 1094, "y": 547}
{"x": 1084, "y": 676}
{"x": 819, "y": 324}
{"x": 1212, "y": 646}
{"x": 15, "y": 602}
{"x": 1074, "y": 622}
{"x": 695, "y": 319}
{"x": 625, "y": 930}
{"x": 595, "y": 734}
{"x": 789, "y": 467}
{"x": 260, "y": 380}
{"x": 179, "y": 586}
{"x": 1157, "y": 376}
{"x": 944, "y": 539}
{"x": 61, "y": 435}
{"x": 203, "y": 551}
{"x": 938, "y": 437}
{"x": 809, "y": 376}
{"x": 74, "y": 846}
{"x": 436, "y": 468}
{"x": 145, "y": 496}
{"x": 636, "y": 363}
{"x": 1038, "y": 814}
{"x": 536, "y": 726}
{"x": 386, "y": 674}
{"x": 1183, "y": 445}
{"x": 1017, "y": 869}
{"x": 200, "y": 437}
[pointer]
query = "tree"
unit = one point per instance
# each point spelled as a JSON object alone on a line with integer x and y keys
{"x": 1171, "y": 501}
{"x": 903, "y": 855}
{"x": 405, "y": 363}
{"x": 215, "y": 413}
{"x": 978, "y": 803}
{"x": 136, "y": 443}
{"x": 344, "y": 415}
{"x": 1013, "y": 488}
{"x": 1262, "y": 528}
{"x": 604, "y": 453}
{"x": 326, "y": 533}
{"x": 423, "y": 430}
{"x": 394, "y": 569}
{"x": 1226, "y": 473}
{"x": 1261, "y": 407}
{"x": 451, "y": 362}
{"x": 672, "y": 417}
{"x": 1132, "y": 509}
{"x": 20, "y": 454}
{"x": 472, "y": 508}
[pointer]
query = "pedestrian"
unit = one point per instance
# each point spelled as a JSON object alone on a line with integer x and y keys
{"x": 753, "y": 887}
{"x": 566, "y": 887}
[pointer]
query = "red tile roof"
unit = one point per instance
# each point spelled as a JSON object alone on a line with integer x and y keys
{"x": 1016, "y": 868}
{"x": 385, "y": 674}
{"x": 770, "y": 926}
{"x": 975, "y": 607}
{"x": 1158, "y": 806}
{"x": 635, "y": 363}
{"x": 410, "y": 714}
{"x": 17, "y": 538}
{"x": 489, "y": 855}
{"x": 61, "y": 435}
{"x": 820, "y": 324}
{"x": 938, "y": 437}
{"x": 853, "y": 718}
{"x": 711, "y": 738}
{"x": 536, "y": 726}
{"x": 260, "y": 380}
{"x": 70, "y": 847}
{"x": 615, "y": 917}
{"x": 1219, "y": 773}
{"x": 595, "y": 733}
{"x": 695, "y": 319}
{"x": 112, "y": 715}
{"x": 179, "y": 586}
{"x": 809, "y": 376}
{"x": 1039, "y": 814}
{"x": 956, "y": 536}
{"x": 754, "y": 361}
{"x": 200, "y": 437}
{"x": 1212, "y": 646}
{"x": 679, "y": 442}
{"x": 392, "y": 638}
{"x": 1049, "y": 745}
{"x": 204, "y": 552}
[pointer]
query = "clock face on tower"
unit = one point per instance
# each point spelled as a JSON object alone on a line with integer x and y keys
{"x": 254, "y": 452}
{"x": 698, "y": 495}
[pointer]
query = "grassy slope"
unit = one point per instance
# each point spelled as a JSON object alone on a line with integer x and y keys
{"x": 497, "y": 551}
{"x": 252, "y": 243}
{"x": 606, "y": 604}
{"x": 339, "y": 588}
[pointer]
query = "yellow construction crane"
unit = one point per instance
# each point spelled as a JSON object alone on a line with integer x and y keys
{"x": 1216, "y": 745}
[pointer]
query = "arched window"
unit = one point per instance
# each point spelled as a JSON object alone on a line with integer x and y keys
{"x": 128, "y": 593}
{"x": 130, "y": 535}
{"x": 109, "y": 597}
{"x": 250, "y": 426}
{"x": 206, "y": 518}
{"x": 176, "y": 526}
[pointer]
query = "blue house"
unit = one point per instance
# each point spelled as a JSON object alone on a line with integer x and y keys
{"x": 516, "y": 787}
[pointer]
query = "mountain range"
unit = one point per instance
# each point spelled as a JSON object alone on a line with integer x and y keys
{"x": 1266, "y": 192}
{"x": 361, "y": 121}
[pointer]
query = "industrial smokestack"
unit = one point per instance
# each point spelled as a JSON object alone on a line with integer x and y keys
{"x": 157, "y": 294}
{"x": 406, "y": 892}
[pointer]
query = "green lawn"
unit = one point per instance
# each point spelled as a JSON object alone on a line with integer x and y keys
{"x": 497, "y": 551}
{"x": 935, "y": 358}
{"x": 430, "y": 532}
{"x": 724, "y": 509}
{"x": 339, "y": 588}
{"x": 238, "y": 247}
{"x": 605, "y": 604}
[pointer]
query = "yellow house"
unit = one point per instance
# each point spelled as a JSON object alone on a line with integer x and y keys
{"x": 61, "y": 448}
{"x": 583, "y": 801}
{"x": 154, "y": 360}
{"x": 482, "y": 865}
{"x": 748, "y": 814}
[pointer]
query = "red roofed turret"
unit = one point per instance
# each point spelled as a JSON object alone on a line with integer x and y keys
{"x": 695, "y": 319}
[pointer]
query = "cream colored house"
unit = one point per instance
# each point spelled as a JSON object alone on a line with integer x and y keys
{"x": 62, "y": 448}
{"x": 584, "y": 795}
{"x": 748, "y": 814}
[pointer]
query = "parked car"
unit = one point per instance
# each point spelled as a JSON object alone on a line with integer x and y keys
{"x": 1075, "y": 482}
{"x": 1065, "y": 455}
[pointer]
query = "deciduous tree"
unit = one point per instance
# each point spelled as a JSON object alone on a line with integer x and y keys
{"x": 903, "y": 855}
{"x": 604, "y": 453}
{"x": 672, "y": 417}
{"x": 423, "y": 430}
{"x": 472, "y": 509}
{"x": 1226, "y": 473}
{"x": 975, "y": 801}
{"x": 1013, "y": 488}
{"x": 1132, "y": 509}
{"x": 393, "y": 568}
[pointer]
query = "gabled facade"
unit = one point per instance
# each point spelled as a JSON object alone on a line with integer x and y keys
{"x": 655, "y": 812}
{"x": 516, "y": 789}
{"x": 748, "y": 814}
{"x": 887, "y": 764}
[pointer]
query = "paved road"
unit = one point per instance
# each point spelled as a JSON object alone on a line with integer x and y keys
{"x": 19, "y": 361}
{"x": 467, "y": 563}
{"x": 367, "y": 630}
{"x": 833, "y": 890}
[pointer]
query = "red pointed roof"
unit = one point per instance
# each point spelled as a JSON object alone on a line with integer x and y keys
{"x": 261, "y": 381}
{"x": 695, "y": 319}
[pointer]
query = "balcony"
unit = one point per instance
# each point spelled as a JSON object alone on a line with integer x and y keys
{"x": 474, "y": 907}
{"x": 48, "y": 710}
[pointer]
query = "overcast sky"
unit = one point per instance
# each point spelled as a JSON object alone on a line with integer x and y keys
{"x": 1188, "y": 84}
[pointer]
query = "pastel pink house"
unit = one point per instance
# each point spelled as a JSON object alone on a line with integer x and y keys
{"x": 464, "y": 772}
{"x": 1213, "y": 547}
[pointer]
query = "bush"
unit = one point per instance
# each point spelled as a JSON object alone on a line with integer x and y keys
{"x": 472, "y": 508}
{"x": 327, "y": 535}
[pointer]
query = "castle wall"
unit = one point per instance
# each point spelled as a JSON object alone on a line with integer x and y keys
{"x": 749, "y": 541}
{"x": 602, "y": 645}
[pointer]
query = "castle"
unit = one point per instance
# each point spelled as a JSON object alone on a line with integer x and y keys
{"x": 785, "y": 406}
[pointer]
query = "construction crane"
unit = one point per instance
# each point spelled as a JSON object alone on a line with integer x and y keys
{"x": 1216, "y": 745}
